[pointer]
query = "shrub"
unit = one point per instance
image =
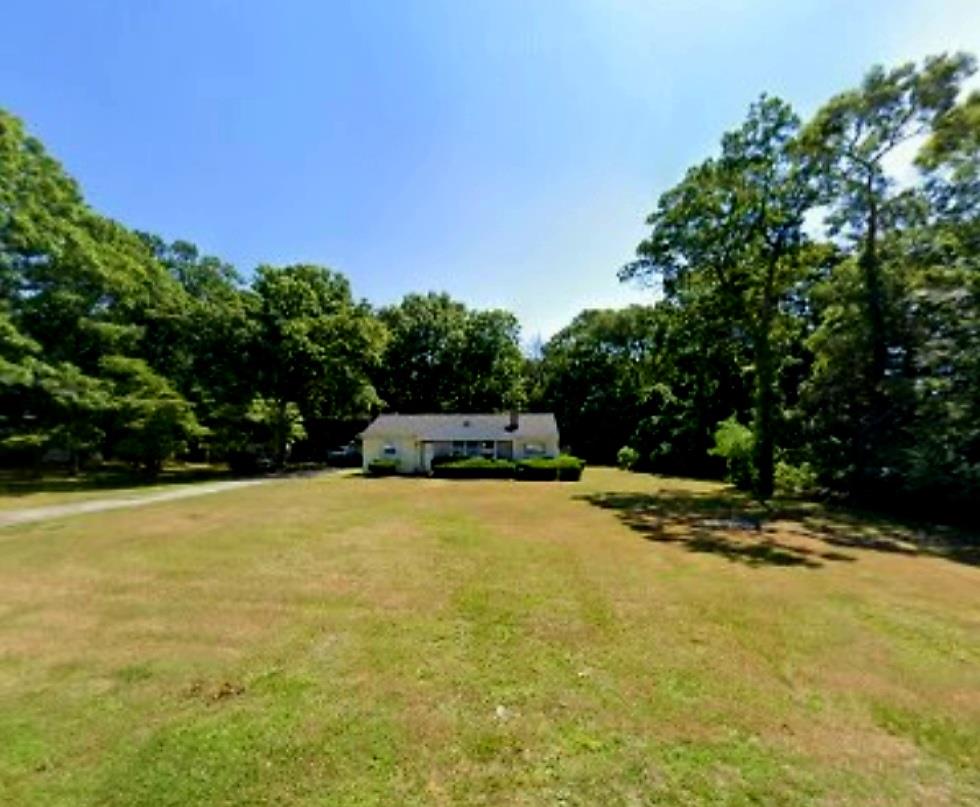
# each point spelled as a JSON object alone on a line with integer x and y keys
{"x": 795, "y": 480}
{"x": 473, "y": 468}
{"x": 734, "y": 443}
{"x": 382, "y": 467}
{"x": 564, "y": 468}
{"x": 627, "y": 457}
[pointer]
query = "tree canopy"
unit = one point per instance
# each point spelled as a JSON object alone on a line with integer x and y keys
{"x": 815, "y": 322}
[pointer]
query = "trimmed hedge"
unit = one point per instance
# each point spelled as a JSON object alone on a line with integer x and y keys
{"x": 564, "y": 469}
{"x": 473, "y": 468}
{"x": 382, "y": 467}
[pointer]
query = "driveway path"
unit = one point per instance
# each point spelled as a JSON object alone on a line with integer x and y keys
{"x": 9, "y": 518}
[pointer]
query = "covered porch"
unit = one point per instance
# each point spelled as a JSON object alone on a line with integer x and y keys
{"x": 490, "y": 449}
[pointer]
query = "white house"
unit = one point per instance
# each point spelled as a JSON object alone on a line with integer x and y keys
{"x": 415, "y": 440}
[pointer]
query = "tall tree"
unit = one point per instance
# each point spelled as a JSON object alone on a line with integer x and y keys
{"x": 941, "y": 455}
{"x": 199, "y": 339}
{"x": 596, "y": 374}
{"x": 851, "y": 139}
{"x": 727, "y": 239}
{"x": 77, "y": 284}
{"x": 315, "y": 347}
{"x": 442, "y": 357}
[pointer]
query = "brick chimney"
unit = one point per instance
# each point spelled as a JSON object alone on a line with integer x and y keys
{"x": 515, "y": 420}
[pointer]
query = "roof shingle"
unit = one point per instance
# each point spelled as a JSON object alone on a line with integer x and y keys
{"x": 461, "y": 426}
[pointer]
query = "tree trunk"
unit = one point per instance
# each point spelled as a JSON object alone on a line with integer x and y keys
{"x": 74, "y": 457}
{"x": 280, "y": 429}
{"x": 764, "y": 444}
{"x": 871, "y": 426}
{"x": 874, "y": 296}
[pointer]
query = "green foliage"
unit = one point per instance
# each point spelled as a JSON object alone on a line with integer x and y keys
{"x": 597, "y": 374}
{"x": 850, "y": 353}
{"x": 858, "y": 397}
{"x": 443, "y": 357}
{"x": 795, "y": 480}
{"x": 564, "y": 468}
{"x": 152, "y": 422}
{"x": 735, "y": 444}
{"x": 277, "y": 424}
{"x": 627, "y": 457}
{"x": 382, "y": 467}
{"x": 314, "y": 345}
{"x": 474, "y": 468}
{"x": 726, "y": 242}
{"x": 75, "y": 410}
{"x": 858, "y": 353}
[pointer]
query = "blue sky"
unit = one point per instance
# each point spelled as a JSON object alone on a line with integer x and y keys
{"x": 505, "y": 151}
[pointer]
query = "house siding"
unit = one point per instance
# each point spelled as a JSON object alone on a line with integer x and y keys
{"x": 409, "y": 451}
{"x": 415, "y": 440}
{"x": 406, "y": 452}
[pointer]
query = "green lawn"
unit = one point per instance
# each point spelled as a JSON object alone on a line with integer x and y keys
{"x": 623, "y": 640}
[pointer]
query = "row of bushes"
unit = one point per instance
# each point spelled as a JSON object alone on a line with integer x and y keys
{"x": 473, "y": 468}
{"x": 382, "y": 467}
{"x": 563, "y": 468}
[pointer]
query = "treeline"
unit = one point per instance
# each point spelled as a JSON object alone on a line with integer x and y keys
{"x": 826, "y": 315}
{"x": 817, "y": 323}
{"x": 115, "y": 344}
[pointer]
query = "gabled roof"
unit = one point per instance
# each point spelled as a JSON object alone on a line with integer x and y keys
{"x": 463, "y": 426}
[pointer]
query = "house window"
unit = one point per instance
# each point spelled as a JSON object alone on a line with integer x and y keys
{"x": 534, "y": 449}
{"x": 389, "y": 450}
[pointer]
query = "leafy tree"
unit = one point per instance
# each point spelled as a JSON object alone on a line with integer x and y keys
{"x": 596, "y": 376}
{"x": 151, "y": 421}
{"x": 77, "y": 285}
{"x": 442, "y": 357}
{"x": 727, "y": 240}
{"x": 76, "y": 409}
{"x": 850, "y": 139}
{"x": 314, "y": 346}
{"x": 17, "y": 355}
{"x": 734, "y": 442}
{"x": 421, "y": 367}
{"x": 627, "y": 457}
{"x": 19, "y": 369}
{"x": 201, "y": 338}
{"x": 280, "y": 423}
{"x": 940, "y": 455}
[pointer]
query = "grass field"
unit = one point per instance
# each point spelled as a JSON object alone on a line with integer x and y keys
{"x": 625, "y": 640}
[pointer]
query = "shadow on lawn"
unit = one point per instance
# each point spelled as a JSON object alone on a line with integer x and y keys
{"x": 22, "y": 483}
{"x": 734, "y": 527}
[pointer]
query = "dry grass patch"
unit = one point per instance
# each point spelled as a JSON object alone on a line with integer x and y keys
{"x": 625, "y": 639}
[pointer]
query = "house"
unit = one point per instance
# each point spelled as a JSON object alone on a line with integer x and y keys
{"x": 415, "y": 440}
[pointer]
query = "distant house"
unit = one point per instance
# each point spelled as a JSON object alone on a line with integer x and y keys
{"x": 415, "y": 440}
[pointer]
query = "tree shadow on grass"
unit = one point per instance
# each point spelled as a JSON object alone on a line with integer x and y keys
{"x": 732, "y": 526}
{"x": 110, "y": 478}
